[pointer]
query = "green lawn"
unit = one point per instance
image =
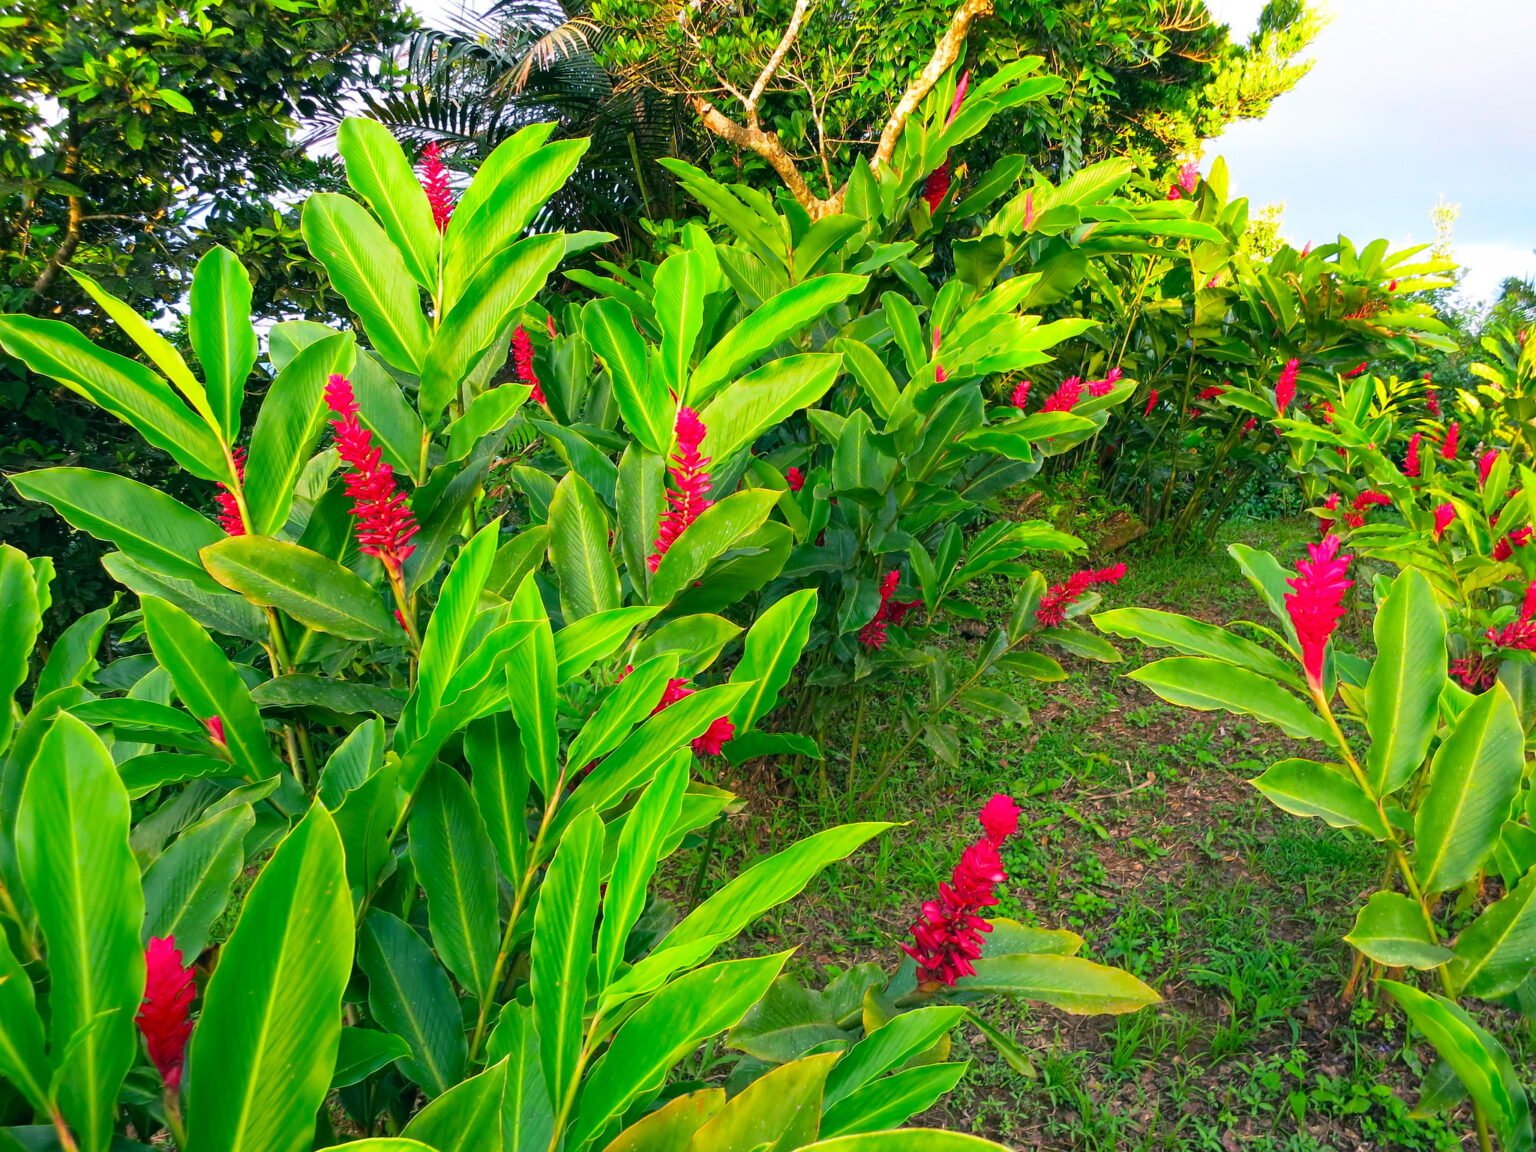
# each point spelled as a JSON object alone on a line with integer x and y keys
{"x": 1141, "y": 834}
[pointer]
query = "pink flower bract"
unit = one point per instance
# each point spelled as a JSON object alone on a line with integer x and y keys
{"x": 434, "y": 181}
{"x": 1316, "y": 603}
{"x": 689, "y": 495}
{"x": 229, "y": 507}
{"x": 1445, "y": 515}
{"x": 1066, "y": 396}
{"x": 1020, "y": 396}
{"x": 165, "y": 1015}
{"x": 1485, "y": 464}
{"x": 385, "y": 523}
{"x": 522, "y": 364}
{"x": 1285, "y": 387}
{"x": 1059, "y": 597}
{"x": 1411, "y": 465}
{"x": 1452, "y": 441}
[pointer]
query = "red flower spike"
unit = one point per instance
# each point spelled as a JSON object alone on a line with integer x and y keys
{"x": 936, "y": 187}
{"x": 522, "y": 363}
{"x": 1357, "y": 370}
{"x": 1485, "y": 464}
{"x": 229, "y": 507}
{"x": 1504, "y": 549}
{"x": 214, "y": 726}
{"x": 1066, "y": 396}
{"x": 1370, "y": 499}
{"x": 1285, "y": 387}
{"x": 1475, "y": 673}
{"x": 794, "y": 478}
{"x": 165, "y": 1016}
{"x": 1452, "y": 441}
{"x": 689, "y": 495}
{"x": 1411, "y": 465}
{"x": 1020, "y": 395}
{"x": 1151, "y": 404}
{"x": 1316, "y": 603}
{"x": 1052, "y": 611}
{"x": 939, "y": 374}
{"x": 1210, "y": 393}
{"x": 434, "y": 181}
{"x": 1432, "y": 402}
{"x": 714, "y": 738}
{"x": 1189, "y": 176}
{"x": 947, "y": 937}
{"x": 1445, "y": 514}
{"x": 1174, "y": 193}
{"x": 385, "y": 521}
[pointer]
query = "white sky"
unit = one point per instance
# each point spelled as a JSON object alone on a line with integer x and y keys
{"x": 1408, "y": 100}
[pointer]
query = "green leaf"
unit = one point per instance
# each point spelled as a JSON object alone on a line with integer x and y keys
{"x": 640, "y": 848}
{"x": 1307, "y": 788}
{"x": 371, "y": 276}
{"x": 272, "y": 1011}
{"x": 499, "y": 780}
{"x": 906, "y": 1140}
{"x": 528, "y": 1124}
{"x": 890, "y": 1046}
{"x": 21, "y": 619}
{"x": 892, "y": 1101}
{"x": 1497, "y": 952}
{"x": 562, "y": 953}
{"x": 491, "y": 301}
{"x": 488, "y": 412}
{"x": 764, "y": 398}
{"x": 1193, "y": 638}
{"x": 1390, "y": 930}
{"x": 208, "y": 685}
{"x": 457, "y": 869}
{"x": 578, "y": 548}
{"x": 1268, "y": 578}
{"x": 466, "y": 1118}
{"x": 222, "y": 611}
{"x": 1208, "y": 685}
{"x": 670, "y": 1126}
{"x": 75, "y": 860}
{"x": 1402, "y": 694}
{"x": 777, "y": 319}
{"x": 533, "y": 669}
{"x": 409, "y": 994}
{"x": 355, "y": 759}
{"x": 777, "y": 1113}
{"x": 364, "y": 1051}
{"x": 680, "y": 284}
{"x": 22, "y": 1059}
{"x": 313, "y": 589}
{"x": 718, "y": 528}
{"x": 72, "y": 660}
{"x": 1070, "y": 983}
{"x": 117, "y": 385}
{"x": 379, "y": 172}
{"x": 1473, "y": 779}
{"x": 348, "y": 697}
{"x": 187, "y": 887}
{"x": 580, "y": 644}
{"x": 219, "y": 324}
{"x": 155, "y": 529}
{"x": 1479, "y": 1061}
{"x": 288, "y": 428}
{"x": 648, "y": 411}
{"x": 666, "y": 1028}
{"x": 871, "y": 373}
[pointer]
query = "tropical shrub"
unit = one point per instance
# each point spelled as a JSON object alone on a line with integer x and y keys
{"x": 1406, "y": 757}
{"x": 456, "y": 779}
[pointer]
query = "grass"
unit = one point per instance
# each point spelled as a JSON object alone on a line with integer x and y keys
{"x": 1141, "y": 833}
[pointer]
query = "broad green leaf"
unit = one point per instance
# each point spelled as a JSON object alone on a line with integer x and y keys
{"x": 777, "y": 1113}
{"x": 1193, "y": 638}
{"x": 640, "y": 849}
{"x": 528, "y": 1123}
{"x": 718, "y": 528}
{"x": 892, "y": 1101}
{"x": 371, "y": 276}
{"x": 1307, "y": 788}
{"x": 870, "y": 371}
{"x": 79, "y": 871}
{"x": 515, "y": 559}
{"x": 456, "y": 866}
{"x": 1473, "y": 778}
{"x": 776, "y": 320}
{"x": 579, "y": 550}
{"x": 488, "y": 412}
{"x": 188, "y": 886}
{"x": 533, "y": 670}
{"x": 362, "y": 1052}
{"x": 648, "y": 411}
{"x": 72, "y": 659}
{"x": 666, "y": 1028}
{"x": 890, "y": 1046}
{"x": 1402, "y": 694}
{"x": 680, "y": 284}
{"x": 222, "y": 611}
{"x": 208, "y": 685}
{"x": 379, "y": 172}
{"x": 491, "y": 301}
{"x": 1479, "y": 1061}
{"x": 906, "y": 1140}
{"x": 219, "y": 323}
{"x": 409, "y": 994}
{"x": 1208, "y": 685}
{"x": 155, "y": 529}
{"x": 596, "y": 637}
{"x": 22, "y": 1058}
{"x": 562, "y": 953}
{"x": 770, "y": 653}
{"x": 288, "y": 427}
{"x": 1268, "y": 578}
{"x": 631, "y": 701}
{"x": 307, "y": 691}
{"x": 272, "y": 1011}
{"x": 381, "y": 1144}
{"x": 1070, "y": 983}
{"x": 1390, "y": 930}
{"x": 764, "y": 398}
{"x": 466, "y": 1118}
{"x": 672, "y": 1125}
{"x": 499, "y": 780}
{"x": 313, "y": 589}
{"x": 21, "y": 619}
{"x": 117, "y": 385}
{"x": 1497, "y": 952}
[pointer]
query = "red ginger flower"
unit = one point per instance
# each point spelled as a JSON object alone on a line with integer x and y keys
{"x": 1452, "y": 441}
{"x": 1189, "y": 176}
{"x": 689, "y": 496}
{"x": 1357, "y": 370}
{"x": 1521, "y": 634}
{"x": 794, "y": 478}
{"x": 165, "y": 1016}
{"x": 1432, "y": 402}
{"x": 947, "y": 937}
{"x": 873, "y": 634}
{"x": 1504, "y": 549}
{"x": 1485, "y": 464}
{"x": 714, "y": 738}
{"x": 214, "y": 726}
{"x": 1285, "y": 387}
{"x": 1476, "y": 673}
{"x": 1104, "y": 387}
{"x": 1444, "y": 515}
{"x": 1211, "y": 392}
{"x": 1151, "y": 404}
{"x": 229, "y": 507}
{"x": 1020, "y": 395}
{"x": 522, "y": 364}
{"x": 385, "y": 522}
{"x": 936, "y": 187}
{"x": 1326, "y": 523}
{"x": 434, "y": 181}
{"x": 1370, "y": 499}
{"x": 1316, "y": 603}
{"x": 1066, "y": 396}
{"x": 1054, "y": 604}
{"x": 1411, "y": 465}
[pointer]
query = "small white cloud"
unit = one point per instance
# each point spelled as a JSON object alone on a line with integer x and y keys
{"x": 1489, "y": 265}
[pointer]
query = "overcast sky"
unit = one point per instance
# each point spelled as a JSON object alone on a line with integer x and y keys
{"x": 1408, "y": 100}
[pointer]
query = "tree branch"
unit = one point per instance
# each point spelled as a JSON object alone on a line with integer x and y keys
{"x": 796, "y": 19}
{"x": 944, "y": 55}
{"x": 765, "y": 144}
{"x": 65, "y": 252}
